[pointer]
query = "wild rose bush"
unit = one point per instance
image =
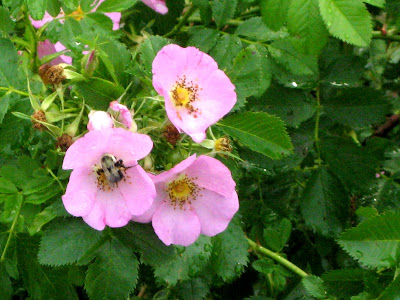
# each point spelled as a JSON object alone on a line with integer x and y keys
{"x": 199, "y": 149}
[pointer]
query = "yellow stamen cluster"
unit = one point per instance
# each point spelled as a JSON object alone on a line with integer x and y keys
{"x": 184, "y": 94}
{"x": 183, "y": 191}
{"x": 102, "y": 182}
{"x": 77, "y": 14}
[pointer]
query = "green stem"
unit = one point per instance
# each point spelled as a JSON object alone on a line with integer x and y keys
{"x": 230, "y": 22}
{"x": 316, "y": 130}
{"x": 275, "y": 256}
{"x": 3, "y": 255}
{"x": 11, "y": 89}
{"x": 55, "y": 178}
{"x": 182, "y": 21}
{"x": 390, "y": 37}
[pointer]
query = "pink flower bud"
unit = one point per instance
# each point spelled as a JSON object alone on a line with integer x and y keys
{"x": 99, "y": 120}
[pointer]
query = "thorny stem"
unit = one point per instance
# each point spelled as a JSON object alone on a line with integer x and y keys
{"x": 275, "y": 256}
{"x": 3, "y": 255}
{"x": 316, "y": 131}
{"x": 192, "y": 9}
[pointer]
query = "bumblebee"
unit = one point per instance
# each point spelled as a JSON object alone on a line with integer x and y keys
{"x": 112, "y": 168}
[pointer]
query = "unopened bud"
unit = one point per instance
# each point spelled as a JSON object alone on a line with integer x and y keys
{"x": 172, "y": 134}
{"x": 64, "y": 142}
{"x": 89, "y": 63}
{"x": 40, "y": 116}
{"x": 52, "y": 74}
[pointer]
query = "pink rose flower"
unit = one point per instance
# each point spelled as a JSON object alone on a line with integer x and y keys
{"x": 196, "y": 196}
{"x": 157, "y": 5}
{"x": 107, "y": 186}
{"x": 197, "y": 94}
{"x": 124, "y": 116}
{"x": 99, "y": 120}
{"x": 47, "y": 48}
{"x": 114, "y": 16}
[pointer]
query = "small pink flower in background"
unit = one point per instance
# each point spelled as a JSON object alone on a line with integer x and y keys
{"x": 114, "y": 16}
{"x": 47, "y": 48}
{"x": 157, "y": 5}
{"x": 99, "y": 120}
{"x": 195, "y": 197}
{"x": 197, "y": 94}
{"x": 91, "y": 194}
{"x": 124, "y": 115}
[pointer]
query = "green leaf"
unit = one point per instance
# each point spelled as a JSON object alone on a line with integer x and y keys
{"x": 203, "y": 38}
{"x": 378, "y": 3}
{"x": 277, "y": 236}
{"x": 53, "y": 7}
{"x": 223, "y": 10}
{"x": 285, "y": 54}
{"x": 345, "y": 159}
{"x": 114, "y": 274}
{"x": 264, "y": 265}
{"x": 392, "y": 291}
{"x": 7, "y": 187}
{"x": 37, "y": 8}
{"x": 229, "y": 252}
{"x": 142, "y": 238}
{"x": 98, "y": 93}
{"x": 314, "y": 286}
{"x": 205, "y": 10}
{"x": 5, "y": 283}
{"x": 8, "y": 64}
{"x": 347, "y": 20}
{"x": 357, "y": 107}
{"x": 115, "y": 5}
{"x": 188, "y": 262}
{"x": 254, "y": 28}
{"x": 45, "y": 216}
{"x": 260, "y": 132}
{"x": 4, "y": 105}
{"x": 6, "y": 24}
{"x": 65, "y": 241}
{"x": 227, "y": 48}
{"x": 149, "y": 50}
{"x": 274, "y": 13}
{"x": 193, "y": 289}
{"x": 345, "y": 283}
{"x": 40, "y": 281}
{"x": 305, "y": 22}
{"x": 375, "y": 242}
{"x": 325, "y": 203}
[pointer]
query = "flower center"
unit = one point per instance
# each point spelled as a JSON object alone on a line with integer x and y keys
{"x": 77, "y": 14}
{"x": 182, "y": 191}
{"x": 184, "y": 94}
{"x": 108, "y": 178}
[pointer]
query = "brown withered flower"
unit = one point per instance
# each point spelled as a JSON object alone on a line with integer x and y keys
{"x": 223, "y": 144}
{"x": 171, "y": 134}
{"x": 64, "y": 142}
{"x": 40, "y": 116}
{"x": 52, "y": 74}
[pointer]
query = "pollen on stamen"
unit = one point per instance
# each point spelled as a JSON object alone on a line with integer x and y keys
{"x": 184, "y": 94}
{"x": 183, "y": 191}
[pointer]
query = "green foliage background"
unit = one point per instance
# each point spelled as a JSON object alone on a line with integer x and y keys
{"x": 315, "y": 127}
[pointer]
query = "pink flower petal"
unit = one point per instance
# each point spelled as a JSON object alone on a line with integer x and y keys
{"x": 148, "y": 214}
{"x": 99, "y": 120}
{"x": 170, "y": 174}
{"x": 125, "y": 116}
{"x": 46, "y": 18}
{"x": 96, "y": 217}
{"x": 115, "y": 18}
{"x": 47, "y": 48}
{"x": 81, "y": 191}
{"x": 114, "y": 207}
{"x": 138, "y": 190}
{"x": 157, "y": 5}
{"x": 176, "y": 226}
{"x": 215, "y": 211}
{"x": 212, "y": 175}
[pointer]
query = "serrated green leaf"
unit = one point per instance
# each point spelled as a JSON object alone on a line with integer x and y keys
{"x": 142, "y": 238}
{"x": 53, "y": 7}
{"x": 98, "y": 93}
{"x": 392, "y": 291}
{"x": 304, "y": 21}
{"x": 7, "y": 187}
{"x": 378, "y": 3}
{"x": 114, "y": 274}
{"x": 45, "y": 216}
{"x": 203, "y": 38}
{"x": 115, "y": 6}
{"x": 357, "y": 107}
{"x": 255, "y": 28}
{"x": 347, "y": 20}
{"x": 274, "y": 13}
{"x": 8, "y": 64}
{"x": 6, "y": 24}
{"x": 5, "y": 283}
{"x": 314, "y": 286}
{"x": 345, "y": 159}
{"x": 223, "y": 10}
{"x": 325, "y": 203}
{"x": 264, "y": 265}
{"x": 65, "y": 241}
{"x": 229, "y": 253}
{"x": 193, "y": 289}
{"x": 246, "y": 74}
{"x": 40, "y": 281}
{"x": 189, "y": 262}
{"x": 205, "y": 10}
{"x": 276, "y": 237}
{"x": 149, "y": 50}
{"x": 260, "y": 132}
{"x": 345, "y": 283}
{"x": 227, "y": 48}
{"x": 4, "y": 104}
{"x": 285, "y": 54}
{"x": 375, "y": 242}
{"x": 37, "y": 8}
